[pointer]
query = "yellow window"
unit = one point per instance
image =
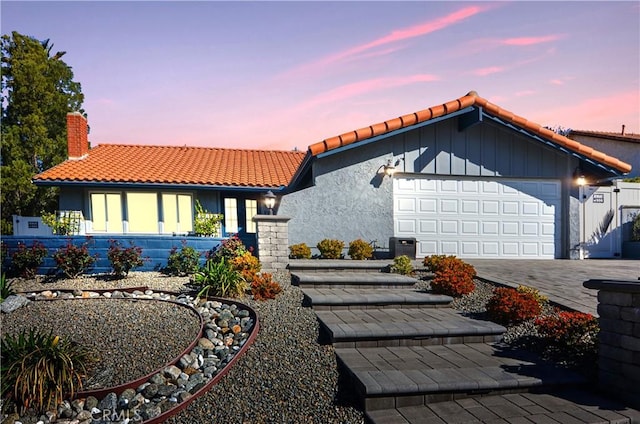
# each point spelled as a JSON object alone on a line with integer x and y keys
{"x": 231, "y": 215}
{"x": 251, "y": 209}
{"x": 142, "y": 212}
{"x": 106, "y": 212}
{"x": 177, "y": 210}
{"x": 185, "y": 213}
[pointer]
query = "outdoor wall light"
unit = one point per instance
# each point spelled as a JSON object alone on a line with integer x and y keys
{"x": 390, "y": 167}
{"x": 579, "y": 177}
{"x": 270, "y": 201}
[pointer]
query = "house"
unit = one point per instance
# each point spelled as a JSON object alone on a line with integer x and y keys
{"x": 134, "y": 189}
{"x": 621, "y": 145}
{"x": 464, "y": 178}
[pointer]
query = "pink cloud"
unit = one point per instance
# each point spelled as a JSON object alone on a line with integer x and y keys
{"x": 556, "y": 82}
{"x": 366, "y": 86}
{"x": 393, "y": 37}
{"x": 529, "y": 41}
{"x": 524, "y": 93}
{"x": 488, "y": 71}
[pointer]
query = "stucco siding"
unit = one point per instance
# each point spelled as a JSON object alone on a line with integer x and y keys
{"x": 350, "y": 199}
{"x": 627, "y": 151}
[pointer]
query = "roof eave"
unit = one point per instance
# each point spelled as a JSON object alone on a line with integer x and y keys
{"x": 138, "y": 185}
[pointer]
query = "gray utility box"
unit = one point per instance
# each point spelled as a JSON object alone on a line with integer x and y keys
{"x": 399, "y": 246}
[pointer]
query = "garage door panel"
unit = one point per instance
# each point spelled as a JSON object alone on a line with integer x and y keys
{"x": 479, "y": 218}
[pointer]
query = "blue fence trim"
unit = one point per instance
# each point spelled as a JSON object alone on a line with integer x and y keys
{"x": 155, "y": 248}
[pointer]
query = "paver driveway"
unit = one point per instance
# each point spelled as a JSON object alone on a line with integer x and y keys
{"x": 560, "y": 280}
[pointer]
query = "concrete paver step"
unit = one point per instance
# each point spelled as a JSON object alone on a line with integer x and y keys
{"x": 387, "y": 378}
{"x": 404, "y": 327}
{"x": 566, "y": 406}
{"x": 351, "y": 280}
{"x": 357, "y": 298}
{"x": 337, "y": 265}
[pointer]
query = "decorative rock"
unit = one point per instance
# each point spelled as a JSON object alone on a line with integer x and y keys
{"x": 194, "y": 381}
{"x": 84, "y": 415}
{"x": 78, "y": 405}
{"x": 150, "y": 391}
{"x": 13, "y": 302}
{"x": 109, "y": 402}
{"x": 157, "y": 379}
{"x": 172, "y": 372}
{"x": 166, "y": 389}
{"x": 150, "y": 411}
{"x": 90, "y": 403}
{"x": 205, "y": 343}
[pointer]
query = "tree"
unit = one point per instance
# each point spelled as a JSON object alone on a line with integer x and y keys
{"x": 37, "y": 92}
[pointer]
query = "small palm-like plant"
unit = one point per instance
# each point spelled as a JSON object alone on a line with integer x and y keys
{"x": 219, "y": 278}
{"x": 39, "y": 369}
{"x": 6, "y": 288}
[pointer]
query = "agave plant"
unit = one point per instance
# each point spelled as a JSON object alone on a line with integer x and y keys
{"x": 6, "y": 288}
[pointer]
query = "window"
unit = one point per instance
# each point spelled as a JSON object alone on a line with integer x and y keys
{"x": 231, "y": 215}
{"x": 106, "y": 212}
{"x": 142, "y": 212}
{"x": 251, "y": 209}
{"x": 177, "y": 213}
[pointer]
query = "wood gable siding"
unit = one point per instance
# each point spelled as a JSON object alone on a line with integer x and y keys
{"x": 484, "y": 150}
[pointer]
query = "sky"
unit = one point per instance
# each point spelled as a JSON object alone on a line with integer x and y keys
{"x": 284, "y": 75}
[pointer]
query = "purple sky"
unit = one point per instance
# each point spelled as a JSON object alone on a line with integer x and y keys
{"x": 279, "y": 75}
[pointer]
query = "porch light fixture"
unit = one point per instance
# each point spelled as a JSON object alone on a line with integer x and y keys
{"x": 270, "y": 201}
{"x": 579, "y": 177}
{"x": 389, "y": 168}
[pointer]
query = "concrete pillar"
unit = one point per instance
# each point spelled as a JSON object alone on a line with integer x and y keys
{"x": 273, "y": 241}
{"x": 619, "y": 350}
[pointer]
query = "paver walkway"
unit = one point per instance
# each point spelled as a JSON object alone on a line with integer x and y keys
{"x": 560, "y": 280}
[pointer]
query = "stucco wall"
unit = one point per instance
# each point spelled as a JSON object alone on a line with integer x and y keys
{"x": 350, "y": 199}
{"x": 626, "y": 151}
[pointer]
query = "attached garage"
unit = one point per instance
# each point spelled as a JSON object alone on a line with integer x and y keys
{"x": 474, "y": 218}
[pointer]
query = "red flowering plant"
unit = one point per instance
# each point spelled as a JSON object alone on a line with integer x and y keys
{"x": 74, "y": 260}
{"x": 263, "y": 287}
{"x": 26, "y": 260}
{"x": 453, "y": 276}
{"x": 123, "y": 259}
{"x": 508, "y": 306}
{"x": 571, "y": 335}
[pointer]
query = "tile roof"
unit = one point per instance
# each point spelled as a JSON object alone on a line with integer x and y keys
{"x": 471, "y": 99}
{"x": 629, "y": 137}
{"x": 108, "y": 163}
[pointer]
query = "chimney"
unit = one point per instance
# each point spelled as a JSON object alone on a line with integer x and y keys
{"x": 623, "y": 129}
{"x": 77, "y": 140}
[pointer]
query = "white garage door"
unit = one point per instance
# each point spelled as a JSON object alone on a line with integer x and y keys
{"x": 479, "y": 218}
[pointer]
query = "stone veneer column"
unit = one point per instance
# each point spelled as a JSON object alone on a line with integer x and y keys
{"x": 619, "y": 351}
{"x": 273, "y": 241}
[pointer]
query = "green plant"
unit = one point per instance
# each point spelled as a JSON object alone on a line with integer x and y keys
{"x": 73, "y": 260}
{"x": 247, "y": 265}
{"x": 39, "y": 369}
{"x": 635, "y": 229}
{"x": 263, "y": 287}
{"x": 432, "y": 262}
{"x": 64, "y": 222}
{"x": 330, "y": 248}
{"x": 229, "y": 249}
{"x": 452, "y": 276}
{"x": 6, "y": 227}
{"x": 26, "y": 260}
{"x": 360, "y": 250}
{"x": 182, "y": 262}
{"x": 402, "y": 265}
{"x": 6, "y": 288}
{"x": 299, "y": 251}
{"x": 124, "y": 260}
{"x": 206, "y": 223}
{"x": 508, "y": 306}
{"x": 219, "y": 278}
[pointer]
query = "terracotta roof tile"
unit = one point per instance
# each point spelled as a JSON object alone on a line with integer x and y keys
{"x": 470, "y": 99}
{"x": 179, "y": 165}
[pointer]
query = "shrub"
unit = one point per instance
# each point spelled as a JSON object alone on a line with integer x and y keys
{"x": 453, "y": 276}
{"x": 263, "y": 287}
{"x": 38, "y": 369}
{"x": 124, "y": 260}
{"x": 247, "y": 265}
{"x": 73, "y": 260}
{"x": 64, "y": 223}
{"x": 206, "y": 223}
{"x": 6, "y": 288}
{"x": 535, "y": 293}
{"x": 25, "y": 261}
{"x": 635, "y": 229}
{"x": 360, "y": 249}
{"x": 432, "y": 262}
{"x": 508, "y": 306}
{"x": 402, "y": 265}
{"x": 182, "y": 262}
{"x": 567, "y": 329}
{"x": 330, "y": 248}
{"x": 219, "y": 278}
{"x": 299, "y": 251}
{"x": 229, "y": 249}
